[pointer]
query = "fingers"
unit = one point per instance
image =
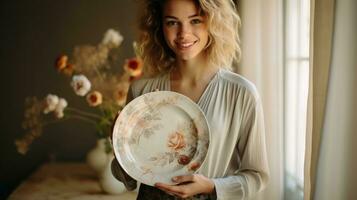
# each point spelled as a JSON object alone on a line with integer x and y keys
{"x": 176, "y": 189}
{"x": 168, "y": 188}
{"x": 183, "y": 189}
{"x": 183, "y": 179}
{"x": 164, "y": 186}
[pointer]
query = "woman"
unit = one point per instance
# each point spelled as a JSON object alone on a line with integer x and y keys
{"x": 188, "y": 46}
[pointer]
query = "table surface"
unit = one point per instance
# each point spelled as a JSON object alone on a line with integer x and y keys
{"x": 64, "y": 181}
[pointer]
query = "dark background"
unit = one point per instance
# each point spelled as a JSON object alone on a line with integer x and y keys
{"x": 32, "y": 34}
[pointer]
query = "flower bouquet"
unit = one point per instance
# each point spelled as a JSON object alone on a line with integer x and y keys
{"x": 90, "y": 74}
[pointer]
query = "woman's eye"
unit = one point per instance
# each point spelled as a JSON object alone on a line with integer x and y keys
{"x": 171, "y": 23}
{"x": 196, "y": 21}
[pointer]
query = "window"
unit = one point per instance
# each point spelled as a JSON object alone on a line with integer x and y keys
{"x": 296, "y": 66}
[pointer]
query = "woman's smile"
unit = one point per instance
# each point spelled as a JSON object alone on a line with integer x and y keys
{"x": 185, "y": 45}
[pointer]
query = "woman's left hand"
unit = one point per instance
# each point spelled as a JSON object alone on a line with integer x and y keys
{"x": 188, "y": 186}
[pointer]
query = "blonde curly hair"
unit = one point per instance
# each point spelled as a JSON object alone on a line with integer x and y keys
{"x": 223, "y": 23}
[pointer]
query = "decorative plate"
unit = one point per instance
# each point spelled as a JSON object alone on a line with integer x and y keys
{"x": 160, "y": 135}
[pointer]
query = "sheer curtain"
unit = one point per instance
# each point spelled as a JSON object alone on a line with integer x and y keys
{"x": 262, "y": 63}
{"x": 331, "y": 135}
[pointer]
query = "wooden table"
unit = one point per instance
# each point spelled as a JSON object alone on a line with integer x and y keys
{"x": 64, "y": 181}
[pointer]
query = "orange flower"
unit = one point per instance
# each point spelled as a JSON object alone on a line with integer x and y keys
{"x": 94, "y": 98}
{"x": 120, "y": 97}
{"x": 61, "y": 62}
{"x": 176, "y": 141}
{"x": 63, "y": 66}
{"x": 68, "y": 70}
{"x": 134, "y": 66}
{"x": 120, "y": 93}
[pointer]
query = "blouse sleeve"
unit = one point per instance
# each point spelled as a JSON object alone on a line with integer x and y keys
{"x": 117, "y": 170}
{"x": 253, "y": 173}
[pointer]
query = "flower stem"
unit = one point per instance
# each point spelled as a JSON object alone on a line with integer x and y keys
{"x": 83, "y": 112}
{"x": 83, "y": 118}
{"x": 98, "y": 73}
{"x": 54, "y": 121}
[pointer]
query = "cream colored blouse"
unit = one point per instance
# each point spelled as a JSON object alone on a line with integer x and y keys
{"x": 236, "y": 160}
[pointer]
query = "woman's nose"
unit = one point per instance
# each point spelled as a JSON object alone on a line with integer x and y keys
{"x": 185, "y": 29}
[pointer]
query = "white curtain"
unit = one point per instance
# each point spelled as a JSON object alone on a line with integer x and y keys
{"x": 321, "y": 34}
{"x": 262, "y": 63}
{"x": 333, "y": 161}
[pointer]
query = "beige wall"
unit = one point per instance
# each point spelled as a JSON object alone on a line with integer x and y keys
{"x": 32, "y": 34}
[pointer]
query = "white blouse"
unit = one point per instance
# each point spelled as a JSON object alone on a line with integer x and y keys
{"x": 236, "y": 160}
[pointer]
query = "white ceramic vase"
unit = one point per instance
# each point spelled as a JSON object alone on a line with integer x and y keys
{"x": 97, "y": 158}
{"x": 108, "y": 182}
{"x": 100, "y": 161}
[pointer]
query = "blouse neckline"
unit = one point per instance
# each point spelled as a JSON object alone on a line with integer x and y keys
{"x": 205, "y": 91}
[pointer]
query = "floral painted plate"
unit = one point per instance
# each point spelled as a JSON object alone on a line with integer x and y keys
{"x": 160, "y": 135}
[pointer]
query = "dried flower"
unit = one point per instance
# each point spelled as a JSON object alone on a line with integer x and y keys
{"x": 61, "y": 62}
{"x": 134, "y": 66}
{"x": 112, "y": 37}
{"x": 91, "y": 65}
{"x": 22, "y": 146}
{"x": 33, "y": 123}
{"x": 120, "y": 93}
{"x": 80, "y": 84}
{"x": 89, "y": 59}
{"x": 94, "y": 98}
{"x": 51, "y": 102}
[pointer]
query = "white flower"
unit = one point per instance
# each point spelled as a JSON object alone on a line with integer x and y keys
{"x": 61, "y": 105}
{"x": 80, "y": 84}
{"x": 94, "y": 98}
{"x": 112, "y": 37}
{"x": 51, "y": 102}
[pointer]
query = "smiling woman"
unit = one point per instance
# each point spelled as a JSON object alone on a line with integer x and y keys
{"x": 187, "y": 47}
{"x": 185, "y": 34}
{"x": 222, "y": 19}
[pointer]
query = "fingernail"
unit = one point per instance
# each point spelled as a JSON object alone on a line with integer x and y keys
{"x": 174, "y": 179}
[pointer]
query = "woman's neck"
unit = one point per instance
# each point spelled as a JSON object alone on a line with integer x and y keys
{"x": 191, "y": 78}
{"x": 192, "y": 70}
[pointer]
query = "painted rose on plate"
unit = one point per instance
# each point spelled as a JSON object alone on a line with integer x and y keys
{"x": 176, "y": 141}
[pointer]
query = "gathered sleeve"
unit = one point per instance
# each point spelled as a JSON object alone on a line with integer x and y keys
{"x": 253, "y": 172}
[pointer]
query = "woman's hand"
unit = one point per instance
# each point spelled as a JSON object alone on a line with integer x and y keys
{"x": 188, "y": 186}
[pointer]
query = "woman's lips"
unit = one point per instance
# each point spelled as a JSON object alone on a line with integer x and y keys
{"x": 185, "y": 45}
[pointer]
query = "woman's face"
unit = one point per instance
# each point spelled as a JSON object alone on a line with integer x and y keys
{"x": 185, "y": 31}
